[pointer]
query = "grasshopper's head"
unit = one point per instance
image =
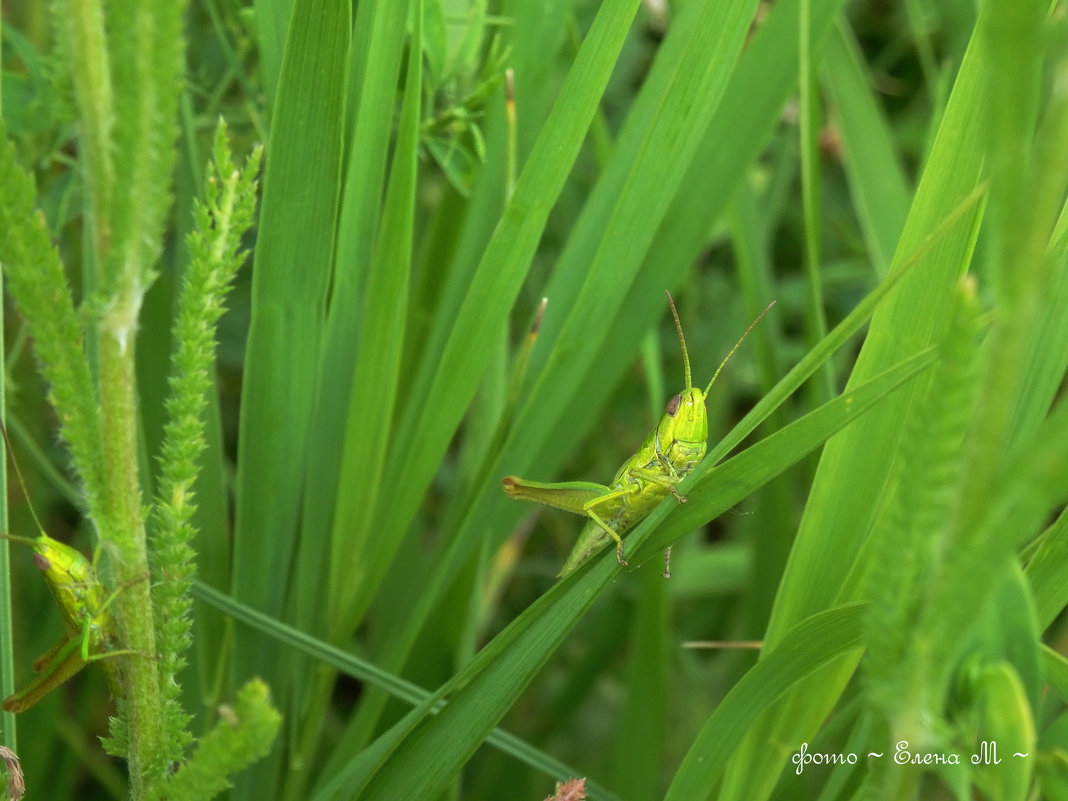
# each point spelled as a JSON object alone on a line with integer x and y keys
{"x": 685, "y": 419}
{"x": 70, "y": 578}
{"x": 60, "y": 563}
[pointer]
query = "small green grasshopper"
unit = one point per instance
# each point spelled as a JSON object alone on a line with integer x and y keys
{"x": 667, "y": 456}
{"x": 83, "y": 603}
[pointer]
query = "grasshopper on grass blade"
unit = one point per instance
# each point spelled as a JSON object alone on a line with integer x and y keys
{"x": 83, "y": 604}
{"x": 667, "y": 456}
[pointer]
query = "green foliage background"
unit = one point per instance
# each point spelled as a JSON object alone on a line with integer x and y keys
{"x": 883, "y": 500}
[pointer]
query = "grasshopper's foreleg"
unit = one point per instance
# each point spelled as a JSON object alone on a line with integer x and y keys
{"x": 608, "y": 498}
{"x": 667, "y": 481}
{"x": 102, "y": 641}
{"x": 86, "y": 636}
{"x": 124, "y": 652}
{"x": 97, "y": 628}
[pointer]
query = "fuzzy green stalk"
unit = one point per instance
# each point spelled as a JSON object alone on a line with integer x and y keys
{"x": 911, "y": 539}
{"x": 242, "y": 735}
{"x": 146, "y": 47}
{"x": 125, "y": 542}
{"x": 91, "y": 79}
{"x": 215, "y": 255}
{"x": 37, "y": 283}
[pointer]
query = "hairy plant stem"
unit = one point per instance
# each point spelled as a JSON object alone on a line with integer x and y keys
{"x": 96, "y": 106}
{"x": 124, "y": 538}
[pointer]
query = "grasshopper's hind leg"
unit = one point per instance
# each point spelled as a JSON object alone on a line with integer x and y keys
{"x": 619, "y": 540}
{"x": 41, "y": 662}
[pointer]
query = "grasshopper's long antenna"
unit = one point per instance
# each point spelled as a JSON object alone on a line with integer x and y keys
{"x": 18, "y": 473}
{"x": 736, "y": 346}
{"x": 682, "y": 339}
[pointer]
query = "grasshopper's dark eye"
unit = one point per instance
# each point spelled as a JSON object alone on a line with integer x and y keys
{"x": 673, "y": 405}
{"x": 41, "y": 562}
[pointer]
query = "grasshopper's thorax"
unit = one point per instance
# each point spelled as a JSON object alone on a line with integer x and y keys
{"x": 683, "y": 430}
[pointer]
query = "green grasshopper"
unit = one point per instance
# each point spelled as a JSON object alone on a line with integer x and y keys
{"x": 667, "y": 456}
{"x": 83, "y": 602}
